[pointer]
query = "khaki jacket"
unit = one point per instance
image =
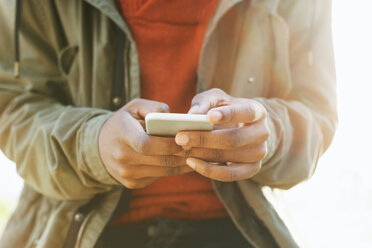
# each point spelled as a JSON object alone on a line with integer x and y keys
{"x": 73, "y": 53}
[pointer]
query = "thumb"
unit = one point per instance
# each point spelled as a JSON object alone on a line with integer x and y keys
{"x": 203, "y": 102}
{"x": 139, "y": 108}
{"x": 199, "y": 108}
{"x": 248, "y": 112}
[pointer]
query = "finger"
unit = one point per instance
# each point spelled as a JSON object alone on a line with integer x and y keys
{"x": 139, "y": 108}
{"x": 153, "y": 145}
{"x": 162, "y": 160}
{"x": 145, "y": 144}
{"x": 228, "y": 173}
{"x": 143, "y": 123}
{"x": 144, "y": 171}
{"x": 256, "y": 133}
{"x": 247, "y": 112}
{"x": 139, "y": 183}
{"x": 245, "y": 154}
{"x": 202, "y": 102}
{"x": 125, "y": 155}
{"x": 225, "y": 126}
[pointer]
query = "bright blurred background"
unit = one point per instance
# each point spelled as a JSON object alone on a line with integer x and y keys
{"x": 334, "y": 208}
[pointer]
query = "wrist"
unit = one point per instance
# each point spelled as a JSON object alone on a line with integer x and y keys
{"x": 91, "y": 155}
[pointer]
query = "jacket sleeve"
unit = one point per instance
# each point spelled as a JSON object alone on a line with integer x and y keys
{"x": 54, "y": 145}
{"x": 302, "y": 123}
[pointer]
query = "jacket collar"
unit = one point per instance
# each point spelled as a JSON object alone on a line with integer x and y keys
{"x": 109, "y": 9}
{"x": 270, "y": 6}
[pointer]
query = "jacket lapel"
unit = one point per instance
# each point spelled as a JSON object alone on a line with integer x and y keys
{"x": 270, "y": 6}
{"x": 109, "y": 9}
{"x": 206, "y": 65}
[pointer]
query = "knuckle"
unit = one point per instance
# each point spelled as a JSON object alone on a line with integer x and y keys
{"x": 167, "y": 160}
{"x": 233, "y": 139}
{"x": 164, "y": 107}
{"x": 233, "y": 175}
{"x": 196, "y": 99}
{"x": 138, "y": 146}
{"x": 126, "y": 159}
{"x": 257, "y": 167}
{"x": 262, "y": 152}
{"x": 237, "y": 138}
{"x": 217, "y": 91}
{"x": 230, "y": 114}
{"x": 265, "y": 133}
{"x": 131, "y": 184}
{"x": 250, "y": 112}
{"x": 118, "y": 154}
{"x": 215, "y": 155}
{"x": 141, "y": 145}
{"x": 173, "y": 171}
{"x": 202, "y": 139}
{"x": 125, "y": 173}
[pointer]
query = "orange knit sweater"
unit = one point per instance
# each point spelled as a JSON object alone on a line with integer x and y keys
{"x": 168, "y": 35}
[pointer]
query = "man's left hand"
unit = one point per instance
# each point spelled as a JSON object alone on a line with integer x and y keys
{"x": 239, "y": 138}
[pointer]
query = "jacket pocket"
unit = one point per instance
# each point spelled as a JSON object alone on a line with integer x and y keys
{"x": 69, "y": 68}
{"x": 66, "y": 59}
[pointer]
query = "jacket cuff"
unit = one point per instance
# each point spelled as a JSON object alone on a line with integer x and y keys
{"x": 272, "y": 141}
{"x": 275, "y": 132}
{"x": 90, "y": 150}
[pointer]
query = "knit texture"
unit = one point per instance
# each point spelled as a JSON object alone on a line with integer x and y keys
{"x": 169, "y": 35}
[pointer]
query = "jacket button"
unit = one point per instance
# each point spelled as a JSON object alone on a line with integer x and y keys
{"x": 251, "y": 80}
{"x": 78, "y": 217}
{"x": 116, "y": 100}
{"x": 152, "y": 231}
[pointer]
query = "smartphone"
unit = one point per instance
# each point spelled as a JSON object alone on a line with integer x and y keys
{"x": 166, "y": 124}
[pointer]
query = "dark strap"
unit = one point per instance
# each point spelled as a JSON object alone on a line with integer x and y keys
{"x": 16, "y": 37}
{"x": 118, "y": 82}
{"x": 77, "y": 220}
{"x": 122, "y": 206}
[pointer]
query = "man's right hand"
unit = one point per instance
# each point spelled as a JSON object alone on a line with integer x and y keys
{"x": 132, "y": 157}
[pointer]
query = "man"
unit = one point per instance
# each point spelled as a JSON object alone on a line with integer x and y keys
{"x": 87, "y": 72}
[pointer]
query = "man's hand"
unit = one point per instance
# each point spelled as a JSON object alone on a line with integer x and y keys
{"x": 239, "y": 141}
{"x": 132, "y": 157}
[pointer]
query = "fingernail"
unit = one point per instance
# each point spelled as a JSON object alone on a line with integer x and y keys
{"x": 191, "y": 163}
{"x": 182, "y": 139}
{"x": 215, "y": 115}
